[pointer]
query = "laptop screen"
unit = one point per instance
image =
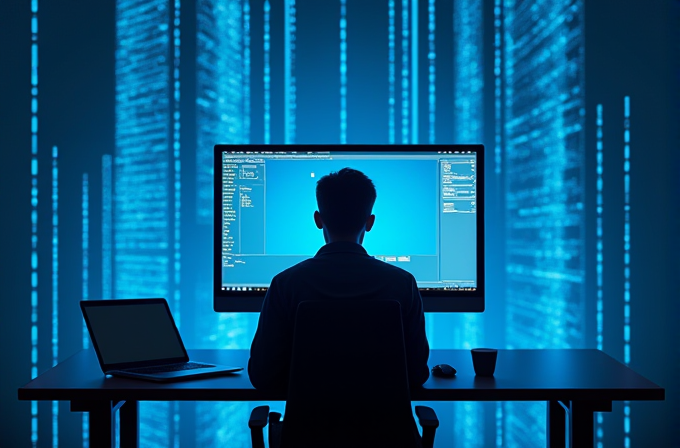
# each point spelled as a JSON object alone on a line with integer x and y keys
{"x": 133, "y": 333}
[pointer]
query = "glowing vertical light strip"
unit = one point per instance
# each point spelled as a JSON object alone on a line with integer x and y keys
{"x": 34, "y": 213}
{"x": 289, "y": 72}
{"x": 178, "y": 167}
{"x": 267, "y": 75}
{"x": 391, "y": 45}
{"x": 599, "y": 213}
{"x": 431, "y": 55}
{"x": 544, "y": 251}
{"x": 404, "y": 73}
{"x": 343, "y": 71}
{"x": 626, "y": 258}
{"x": 177, "y": 43}
{"x": 414, "y": 71}
{"x": 85, "y": 204}
{"x": 499, "y": 424}
{"x": 497, "y": 59}
{"x": 55, "y": 285}
{"x": 469, "y": 74}
{"x": 599, "y": 257}
{"x": 246, "y": 71}
{"x": 107, "y": 227}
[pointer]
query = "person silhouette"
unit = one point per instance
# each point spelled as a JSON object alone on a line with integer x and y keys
{"x": 340, "y": 269}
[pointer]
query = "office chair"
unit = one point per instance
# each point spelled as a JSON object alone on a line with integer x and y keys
{"x": 348, "y": 384}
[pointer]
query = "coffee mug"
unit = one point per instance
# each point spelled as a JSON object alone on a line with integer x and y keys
{"x": 484, "y": 361}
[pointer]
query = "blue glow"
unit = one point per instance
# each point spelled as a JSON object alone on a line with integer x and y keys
{"x": 544, "y": 194}
{"x": 107, "y": 227}
{"x": 267, "y": 74}
{"x": 599, "y": 210}
{"x": 143, "y": 230}
{"x": 177, "y": 176}
{"x": 391, "y": 77}
{"x": 626, "y": 256}
{"x": 499, "y": 424}
{"x": 176, "y": 293}
{"x": 469, "y": 76}
{"x": 431, "y": 75}
{"x": 468, "y": 86}
{"x": 246, "y": 70}
{"x": 414, "y": 70}
{"x": 289, "y": 72}
{"x": 404, "y": 72}
{"x": 497, "y": 91}
{"x": 55, "y": 286}
{"x": 343, "y": 71}
{"x": 85, "y": 206}
{"x": 34, "y": 214}
{"x": 223, "y": 89}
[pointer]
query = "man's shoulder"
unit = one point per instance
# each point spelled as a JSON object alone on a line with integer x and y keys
{"x": 390, "y": 269}
{"x": 366, "y": 263}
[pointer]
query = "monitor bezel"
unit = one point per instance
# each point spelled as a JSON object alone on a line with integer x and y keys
{"x": 433, "y": 300}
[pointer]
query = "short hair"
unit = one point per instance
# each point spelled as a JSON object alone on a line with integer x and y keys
{"x": 345, "y": 200}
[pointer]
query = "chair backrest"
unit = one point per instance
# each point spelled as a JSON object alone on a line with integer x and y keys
{"x": 348, "y": 384}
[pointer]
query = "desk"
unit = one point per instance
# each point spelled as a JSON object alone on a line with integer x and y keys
{"x": 574, "y": 383}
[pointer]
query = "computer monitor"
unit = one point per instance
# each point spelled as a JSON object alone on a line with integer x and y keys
{"x": 429, "y": 217}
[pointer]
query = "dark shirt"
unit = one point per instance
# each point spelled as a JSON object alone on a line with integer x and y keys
{"x": 338, "y": 270}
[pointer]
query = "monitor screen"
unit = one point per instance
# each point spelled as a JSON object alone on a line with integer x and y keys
{"x": 429, "y": 216}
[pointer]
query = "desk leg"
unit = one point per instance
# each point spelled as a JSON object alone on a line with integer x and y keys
{"x": 557, "y": 425}
{"x": 581, "y": 422}
{"x": 129, "y": 424}
{"x": 102, "y": 421}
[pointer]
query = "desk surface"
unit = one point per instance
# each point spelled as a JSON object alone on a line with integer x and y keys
{"x": 521, "y": 375}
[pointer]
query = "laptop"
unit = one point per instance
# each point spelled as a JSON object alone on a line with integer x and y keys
{"x": 138, "y": 338}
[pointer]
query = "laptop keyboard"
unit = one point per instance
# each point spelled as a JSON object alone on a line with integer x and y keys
{"x": 171, "y": 367}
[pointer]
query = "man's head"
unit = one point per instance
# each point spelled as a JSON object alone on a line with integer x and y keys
{"x": 345, "y": 200}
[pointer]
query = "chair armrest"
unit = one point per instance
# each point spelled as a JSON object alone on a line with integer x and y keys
{"x": 256, "y": 423}
{"x": 258, "y": 417}
{"x": 428, "y": 420}
{"x": 427, "y": 417}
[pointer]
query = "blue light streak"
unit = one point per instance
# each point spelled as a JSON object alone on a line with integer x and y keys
{"x": 107, "y": 227}
{"x": 176, "y": 145}
{"x": 147, "y": 129}
{"x": 431, "y": 56}
{"x": 222, "y": 89}
{"x": 85, "y": 207}
{"x": 343, "y": 71}
{"x": 499, "y": 424}
{"x": 34, "y": 214}
{"x": 468, "y": 85}
{"x": 497, "y": 73}
{"x": 267, "y": 74}
{"x": 626, "y": 258}
{"x": 599, "y": 260}
{"x": 246, "y": 71}
{"x": 391, "y": 77}
{"x": 599, "y": 257}
{"x": 469, "y": 74}
{"x": 404, "y": 73}
{"x": 414, "y": 71}
{"x": 55, "y": 286}
{"x": 289, "y": 72}
{"x": 544, "y": 181}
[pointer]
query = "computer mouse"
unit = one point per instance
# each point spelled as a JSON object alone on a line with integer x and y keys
{"x": 443, "y": 371}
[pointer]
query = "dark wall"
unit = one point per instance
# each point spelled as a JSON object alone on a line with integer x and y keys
{"x": 631, "y": 50}
{"x": 76, "y": 114}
